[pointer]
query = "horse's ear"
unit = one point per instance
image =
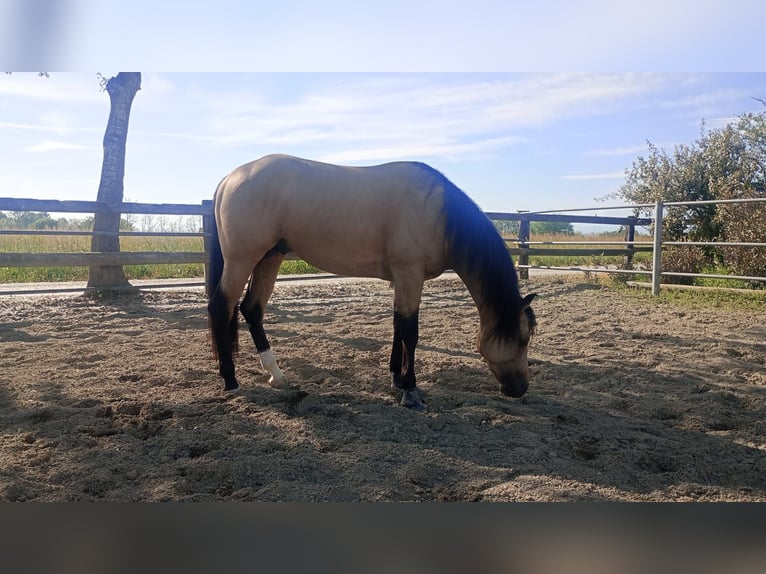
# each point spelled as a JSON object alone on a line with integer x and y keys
{"x": 527, "y": 301}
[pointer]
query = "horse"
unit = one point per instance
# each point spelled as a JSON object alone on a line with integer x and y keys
{"x": 403, "y": 222}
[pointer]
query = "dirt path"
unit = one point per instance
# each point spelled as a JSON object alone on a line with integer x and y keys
{"x": 629, "y": 400}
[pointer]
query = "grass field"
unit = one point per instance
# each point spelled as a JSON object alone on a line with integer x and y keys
{"x": 75, "y": 244}
{"x": 742, "y": 299}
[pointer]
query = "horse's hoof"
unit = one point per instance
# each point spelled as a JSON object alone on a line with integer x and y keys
{"x": 230, "y": 386}
{"x": 279, "y": 383}
{"x": 413, "y": 399}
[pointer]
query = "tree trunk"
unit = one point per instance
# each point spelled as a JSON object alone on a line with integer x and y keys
{"x": 121, "y": 89}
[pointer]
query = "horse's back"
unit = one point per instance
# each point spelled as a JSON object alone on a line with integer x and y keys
{"x": 347, "y": 220}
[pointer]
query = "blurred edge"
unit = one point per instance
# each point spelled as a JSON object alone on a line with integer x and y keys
{"x": 372, "y": 538}
{"x": 37, "y": 35}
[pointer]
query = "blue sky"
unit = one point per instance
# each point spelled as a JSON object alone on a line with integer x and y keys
{"x": 529, "y": 141}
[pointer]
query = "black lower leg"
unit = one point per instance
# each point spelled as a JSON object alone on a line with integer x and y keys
{"x": 395, "y": 363}
{"x": 224, "y": 331}
{"x": 409, "y": 334}
{"x": 254, "y": 317}
{"x": 408, "y": 331}
{"x": 402, "y": 363}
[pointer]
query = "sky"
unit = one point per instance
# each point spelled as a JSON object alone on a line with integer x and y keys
{"x": 529, "y": 141}
{"x": 474, "y": 88}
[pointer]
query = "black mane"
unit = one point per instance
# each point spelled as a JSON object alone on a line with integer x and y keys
{"x": 479, "y": 255}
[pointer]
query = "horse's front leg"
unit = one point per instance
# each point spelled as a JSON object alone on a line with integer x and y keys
{"x": 408, "y": 286}
{"x": 403, "y": 360}
{"x": 396, "y": 362}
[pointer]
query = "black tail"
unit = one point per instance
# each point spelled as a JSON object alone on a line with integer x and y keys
{"x": 223, "y": 329}
{"x": 215, "y": 263}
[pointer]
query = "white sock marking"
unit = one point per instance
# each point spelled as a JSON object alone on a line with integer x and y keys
{"x": 269, "y": 363}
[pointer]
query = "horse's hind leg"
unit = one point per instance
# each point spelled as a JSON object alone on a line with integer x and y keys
{"x": 253, "y": 308}
{"x": 222, "y": 310}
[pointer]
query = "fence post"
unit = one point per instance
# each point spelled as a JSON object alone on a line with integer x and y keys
{"x": 207, "y": 229}
{"x": 657, "y": 253}
{"x": 630, "y": 236}
{"x": 523, "y": 245}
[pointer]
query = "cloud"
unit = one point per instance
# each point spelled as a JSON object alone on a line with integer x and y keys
{"x": 46, "y": 126}
{"x": 719, "y": 123}
{"x": 25, "y": 127}
{"x": 59, "y": 87}
{"x": 354, "y": 115}
{"x": 707, "y": 99}
{"x": 628, "y": 150}
{"x": 422, "y": 150}
{"x": 611, "y": 175}
{"x": 50, "y": 145}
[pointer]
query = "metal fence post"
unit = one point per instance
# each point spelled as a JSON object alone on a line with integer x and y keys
{"x": 657, "y": 253}
{"x": 524, "y": 246}
{"x": 630, "y": 237}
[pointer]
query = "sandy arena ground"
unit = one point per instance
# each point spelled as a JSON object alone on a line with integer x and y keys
{"x": 629, "y": 400}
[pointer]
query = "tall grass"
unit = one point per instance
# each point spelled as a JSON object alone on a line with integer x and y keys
{"x": 79, "y": 244}
{"x": 742, "y": 300}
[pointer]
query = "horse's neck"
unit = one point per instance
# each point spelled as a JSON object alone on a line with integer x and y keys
{"x": 473, "y": 282}
{"x": 480, "y": 258}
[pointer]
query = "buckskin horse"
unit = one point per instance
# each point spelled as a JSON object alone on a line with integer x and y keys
{"x": 404, "y": 222}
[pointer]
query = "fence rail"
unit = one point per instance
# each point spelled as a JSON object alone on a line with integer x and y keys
{"x": 66, "y": 206}
{"x": 47, "y": 232}
{"x": 657, "y": 243}
{"x": 86, "y": 259}
{"x": 522, "y": 246}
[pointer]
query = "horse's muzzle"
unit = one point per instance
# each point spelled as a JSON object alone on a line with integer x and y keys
{"x": 514, "y": 387}
{"x": 514, "y": 382}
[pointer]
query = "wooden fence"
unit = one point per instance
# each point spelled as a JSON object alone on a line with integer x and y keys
{"x": 525, "y": 247}
{"x": 88, "y": 258}
{"x": 522, "y": 246}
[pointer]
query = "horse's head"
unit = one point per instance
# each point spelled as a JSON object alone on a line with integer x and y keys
{"x": 507, "y": 355}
